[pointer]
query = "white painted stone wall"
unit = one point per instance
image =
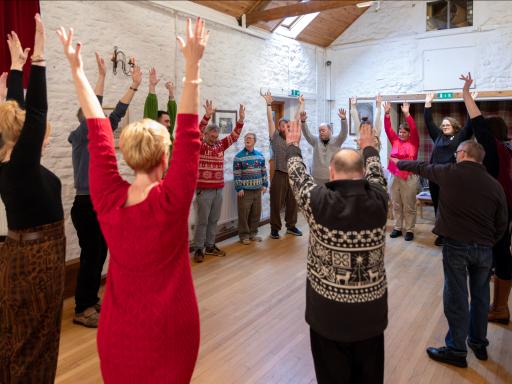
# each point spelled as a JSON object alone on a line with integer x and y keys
{"x": 383, "y": 51}
{"x": 235, "y": 66}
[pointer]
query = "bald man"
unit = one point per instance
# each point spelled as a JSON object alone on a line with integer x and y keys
{"x": 346, "y": 294}
{"x": 471, "y": 219}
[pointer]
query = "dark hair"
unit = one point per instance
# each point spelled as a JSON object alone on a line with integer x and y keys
{"x": 473, "y": 149}
{"x": 347, "y": 165}
{"x": 282, "y": 120}
{"x": 498, "y": 127}
{"x": 404, "y": 126}
{"x": 160, "y": 113}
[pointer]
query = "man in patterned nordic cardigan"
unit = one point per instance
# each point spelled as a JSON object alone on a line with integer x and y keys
{"x": 346, "y": 292}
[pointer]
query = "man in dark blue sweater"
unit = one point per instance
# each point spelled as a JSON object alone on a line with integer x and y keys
{"x": 471, "y": 219}
{"x": 93, "y": 247}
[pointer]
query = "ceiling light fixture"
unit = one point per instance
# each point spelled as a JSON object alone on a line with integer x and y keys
{"x": 365, "y": 4}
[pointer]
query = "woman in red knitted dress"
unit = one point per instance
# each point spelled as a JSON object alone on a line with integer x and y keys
{"x": 149, "y": 328}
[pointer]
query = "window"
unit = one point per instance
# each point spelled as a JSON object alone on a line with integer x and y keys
{"x": 289, "y": 22}
{"x": 293, "y": 25}
{"x": 448, "y": 14}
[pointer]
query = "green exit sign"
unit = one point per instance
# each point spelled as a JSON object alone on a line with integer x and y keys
{"x": 294, "y": 92}
{"x": 445, "y": 95}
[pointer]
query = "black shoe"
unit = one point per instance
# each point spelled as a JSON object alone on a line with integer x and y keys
{"x": 274, "y": 233}
{"x": 395, "y": 233}
{"x": 446, "y": 355}
{"x": 294, "y": 231}
{"x": 409, "y": 236}
{"x": 439, "y": 241}
{"x": 214, "y": 251}
{"x": 479, "y": 351}
{"x": 198, "y": 256}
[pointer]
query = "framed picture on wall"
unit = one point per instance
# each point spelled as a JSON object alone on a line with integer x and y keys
{"x": 123, "y": 123}
{"x": 226, "y": 120}
{"x": 364, "y": 109}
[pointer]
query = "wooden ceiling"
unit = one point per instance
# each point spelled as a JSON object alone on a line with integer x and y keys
{"x": 334, "y": 18}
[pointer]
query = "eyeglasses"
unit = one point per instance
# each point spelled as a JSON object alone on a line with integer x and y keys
{"x": 460, "y": 150}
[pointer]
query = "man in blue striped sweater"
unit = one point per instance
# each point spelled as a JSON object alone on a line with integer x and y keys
{"x": 251, "y": 182}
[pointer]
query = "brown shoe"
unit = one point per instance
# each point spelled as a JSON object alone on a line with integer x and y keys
{"x": 88, "y": 318}
{"x": 198, "y": 256}
{"x": 499, "y": 312}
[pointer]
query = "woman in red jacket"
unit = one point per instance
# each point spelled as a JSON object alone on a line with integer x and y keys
{"x": 404, "y": 185}
{"x": 149, "y": 328}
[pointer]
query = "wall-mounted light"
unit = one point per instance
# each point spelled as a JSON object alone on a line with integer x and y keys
{"x": 366, "y": 4}
{"x": 119, "y": 58}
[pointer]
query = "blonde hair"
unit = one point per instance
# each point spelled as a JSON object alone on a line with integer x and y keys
{"x": 12, "y": 118}
{"x": 143, "y": 143}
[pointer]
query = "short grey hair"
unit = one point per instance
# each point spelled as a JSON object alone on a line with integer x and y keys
{"x": 212, "y": 127}
{"x": 251, "y": 134}
{"x": 325, "y": 124}
{"x": 474, "y": 150}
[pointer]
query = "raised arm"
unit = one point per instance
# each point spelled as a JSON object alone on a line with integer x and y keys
{"x": 233, "y": 136}
{"x": 15, "y": 80}
{"x": 172, "y": 108}
{"x": 151, "y": 103}
{"x": 342, "y": 136}
{"x": 482, "y": 132}
{"x": 300, "y": 107}
{"x": 433, "y": 129}
{"x": 354, "y": 115}
{"x": 181, "y": 179}
{"x": 312, "y": 140}
{"x": 99, "y": 88}
{"x": 377, "y": 122}
{"x": 26, "y": 154}
{"x": 122, "y": 106}
{"x": 414, "y": 136}
{"x": 388, "y": 127}
{"x": 209, "y": 110}
{"x": 373, "y": 168}
{"x": 301, "y": 181}
{"x": 270, "y": 119}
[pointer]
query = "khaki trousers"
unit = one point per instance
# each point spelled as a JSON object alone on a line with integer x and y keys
{"x": 249, "y": 213}
{"x": 403, "y": 196}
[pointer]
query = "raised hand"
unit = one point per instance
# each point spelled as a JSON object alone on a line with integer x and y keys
{"x": 429, "y": 97}
{"x": 39, "y": 41}
{"x": 467, "y": 81}
{"x": 102, "y": 70}
{"x": 209, "y": 110}
{"x": 136, "y": 76}
{"x": 474, "y": 95}
{"x": 366, "y": 137}
{"x": 303, "y": 116}
{"x": 3, "y": 87}
{"x": 342, "y": 114}
{"x": 241, "y": 113}
{"x": 153, "y": 79}
{"x": 301, "y": 100}
{"x": 193, "y": 48}
{"x": 293, "y": 134}
{"x": 387, "y": 107}
{"x": 18, "y": 54}
{"x": 267, "y": 96}
{"x": 405, "y": 108}
{"x": 378, "y": 100}
{"x": 170, "y": 88}
{"x": 72, "y": 54}
{"x": 353, "y": 101}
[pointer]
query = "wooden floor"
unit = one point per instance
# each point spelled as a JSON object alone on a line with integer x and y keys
{"x": 253, "y": 329}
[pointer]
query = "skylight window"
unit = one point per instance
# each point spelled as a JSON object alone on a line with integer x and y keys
{"x": 293, "y": 25}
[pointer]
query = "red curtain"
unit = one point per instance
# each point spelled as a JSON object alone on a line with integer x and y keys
{"x": 17, "y": 16}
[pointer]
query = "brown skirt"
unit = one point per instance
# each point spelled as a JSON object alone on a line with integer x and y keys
{"x": 31, "y": 291}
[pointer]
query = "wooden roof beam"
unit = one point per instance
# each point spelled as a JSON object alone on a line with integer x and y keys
{"x": 298, "y": 9}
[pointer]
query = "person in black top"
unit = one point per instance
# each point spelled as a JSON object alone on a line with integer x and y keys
{"x": 32, "y": 259}
{"x": 492, "y": 133}
{"x": 471, "y": 220}
{"x": 446, "y": 140}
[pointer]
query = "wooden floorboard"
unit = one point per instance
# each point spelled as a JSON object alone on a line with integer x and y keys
{"x": 253, "y": 331}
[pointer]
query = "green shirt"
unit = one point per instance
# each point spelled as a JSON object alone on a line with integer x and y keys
{"x": 151, "y": 112}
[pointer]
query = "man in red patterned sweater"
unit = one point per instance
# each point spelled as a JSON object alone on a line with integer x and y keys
{"x": 210, "y": 183}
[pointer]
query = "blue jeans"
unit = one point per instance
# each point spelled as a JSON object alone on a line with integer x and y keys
{"x": 459, "y": 261}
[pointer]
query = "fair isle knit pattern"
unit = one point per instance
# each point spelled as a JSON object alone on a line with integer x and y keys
{"x": 211, "y": 158}
{"x": 249, "y": 170}
{"x": 343, "y": 266}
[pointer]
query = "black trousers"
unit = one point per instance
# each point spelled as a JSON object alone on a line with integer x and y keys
{"x": 92, "y": 254}
{"x": 502, "y": 257}
{"x": 359, "y": 362}
{"x": 434, "y": 194}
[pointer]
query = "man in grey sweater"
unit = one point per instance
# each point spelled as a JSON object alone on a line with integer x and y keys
{"x": 324, "y": 145}
{"x": 93, "y": 248}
